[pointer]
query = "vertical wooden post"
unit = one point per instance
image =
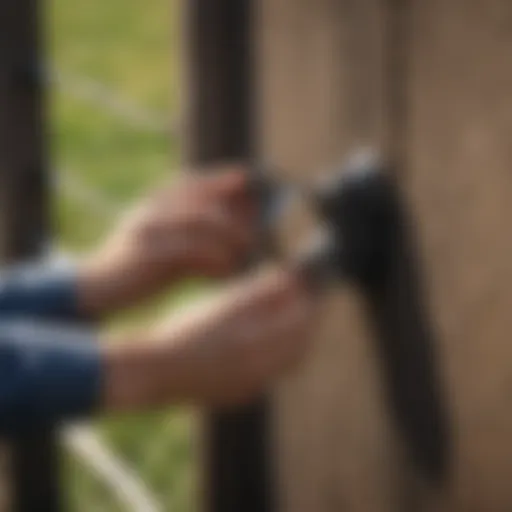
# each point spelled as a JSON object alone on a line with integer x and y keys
{"x": 24, "y": 211}
{"x": 220, "y": 127}
{"x": 325, "y": 72}
{"x": 430, "y": 81}
{"x": 460, "y": 182}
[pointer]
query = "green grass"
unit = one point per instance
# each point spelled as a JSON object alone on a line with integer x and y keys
{"x": 132, "y": 47}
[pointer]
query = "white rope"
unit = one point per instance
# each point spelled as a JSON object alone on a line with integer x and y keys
{"x": 83, "y": 441}
{"x": 98, "y": 203}
{"x": 128, "y": 488}
{"x": 87, "y": 89}
{"x": 91, "y": 451}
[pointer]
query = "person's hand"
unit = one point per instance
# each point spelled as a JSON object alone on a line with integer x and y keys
{"x": 201, "y": 226}
{"x": 223, "y": 352}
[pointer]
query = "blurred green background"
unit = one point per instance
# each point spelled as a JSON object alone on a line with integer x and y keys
{"x": 114, "y": 107}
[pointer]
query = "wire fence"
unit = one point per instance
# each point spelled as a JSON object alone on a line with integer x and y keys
{"x": 100, "y": 96}
{"x": 124, "y": 483}
{"x": 94, "y": 454}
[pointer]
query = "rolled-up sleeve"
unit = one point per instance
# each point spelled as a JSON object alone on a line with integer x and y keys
{"x": 43, "y": 291}
{"x": 48, "y": 374}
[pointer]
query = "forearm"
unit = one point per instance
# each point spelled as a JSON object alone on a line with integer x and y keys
{"x": 82, "y": 291}
{"x": 105, "y": 287}
{"x": 220, "y": 352}
{"x": 137, "y": 376}
{"x": 143, "y": 373}
{"x": 51, "y": 374}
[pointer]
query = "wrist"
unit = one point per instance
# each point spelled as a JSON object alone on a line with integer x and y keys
{"x": 102, "y": 285}
{"x": 140, "y": 373}
{"x": 109, "y": 283}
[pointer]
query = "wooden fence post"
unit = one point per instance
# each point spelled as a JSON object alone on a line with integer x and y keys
{"x": 219, "y": 126}
{"x": 24, "y": 212}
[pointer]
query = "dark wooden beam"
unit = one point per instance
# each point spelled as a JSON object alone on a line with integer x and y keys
{"x": 219, "y": 126}
{"x": 24, "y": 211}
{"x": 218, "y": 80}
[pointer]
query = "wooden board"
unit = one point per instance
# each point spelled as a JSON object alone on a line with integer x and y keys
{"x": 430, "y": 82}
{"x": 323, "y": 88}
{"x": 460, "y": 182}
{"x": 235, "y": 458}
{"x": 24, "y": 224}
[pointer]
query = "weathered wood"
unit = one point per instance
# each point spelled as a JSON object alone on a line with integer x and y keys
{"x": 23, "y": 211}
{"x": 324, "y": 75}
{"x": 460, "y": 183}
{"x": 430, "y": 82}
{"x": 218, "y": 77}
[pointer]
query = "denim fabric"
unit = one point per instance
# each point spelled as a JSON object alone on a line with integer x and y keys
{"x": 50, "y": 369}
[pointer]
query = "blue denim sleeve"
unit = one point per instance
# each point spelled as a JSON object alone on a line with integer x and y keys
{"x": 48, "y": 374}
{"x": 42, "y": 291}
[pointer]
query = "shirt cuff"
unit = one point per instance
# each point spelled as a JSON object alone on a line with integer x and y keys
{"x": 47, "y": 374}
{"x": 43, "y": 291}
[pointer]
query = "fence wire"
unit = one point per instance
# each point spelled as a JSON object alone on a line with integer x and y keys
{"x": 125, "y": 478}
